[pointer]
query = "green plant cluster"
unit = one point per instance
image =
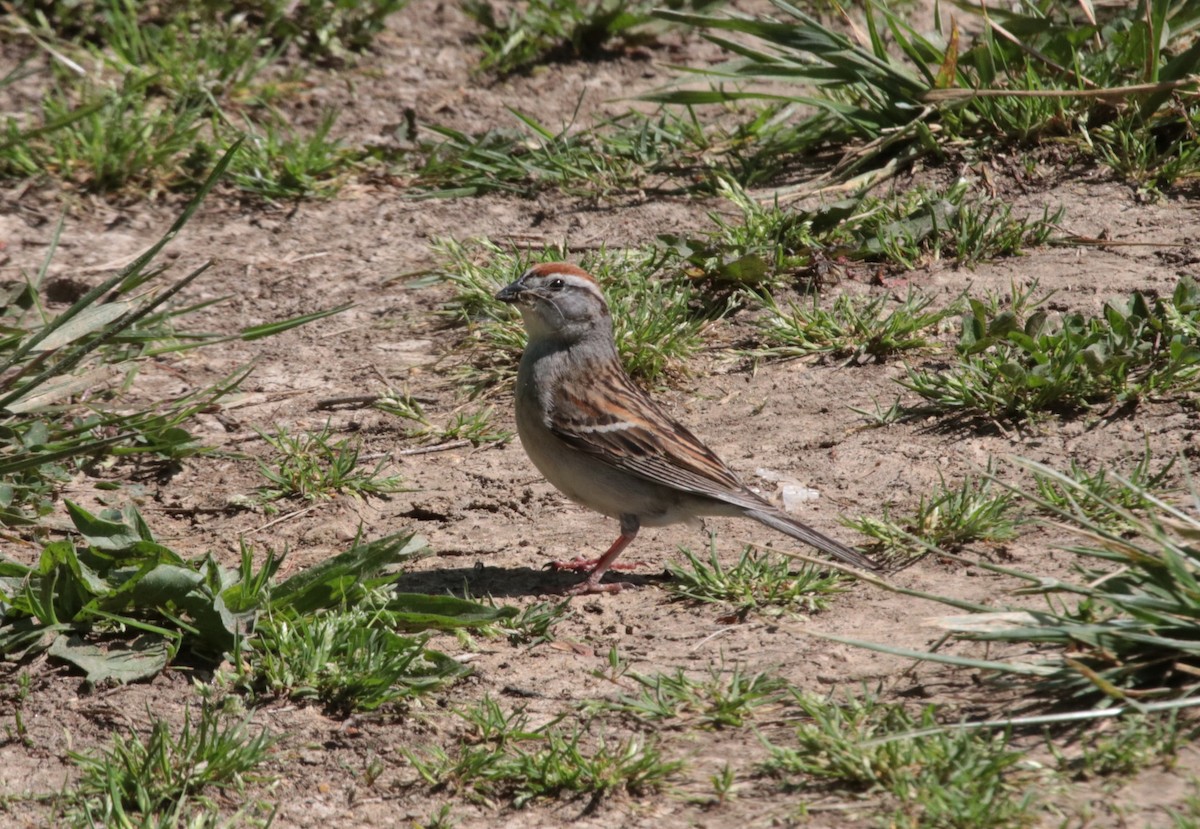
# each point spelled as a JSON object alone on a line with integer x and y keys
{"x": 1035, "y": 72}
{"x": 951, "y": 777}
{"x": 508, "y": 758}
{"x": 178, "y": 83}
{"x": 947, "y": 518}
{"x": 723, "y": 699}
{"x": 1014, "y": 368}
{"x": 65, "y": 371}
{"x": 854, "y": 329}
{"x": 542, "y": 31}
{"x": 663, "y": 152}
{"x": 317, "y": 27}
{"x": 312, "y": 466}
{"x": 172, "y": 778}
{"x": 1120, "y": 630}
{"x": 122, "y": 607}
{"x": 756, "y": 581}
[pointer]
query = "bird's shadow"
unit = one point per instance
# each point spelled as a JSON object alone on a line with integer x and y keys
{"x": 506, "y": 582}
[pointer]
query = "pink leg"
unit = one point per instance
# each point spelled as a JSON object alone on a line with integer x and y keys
{"x": 629, "y": 531}
{"x": 581, "y": 564}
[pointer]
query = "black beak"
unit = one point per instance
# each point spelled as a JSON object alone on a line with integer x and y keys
{"x": 511, "y": 293}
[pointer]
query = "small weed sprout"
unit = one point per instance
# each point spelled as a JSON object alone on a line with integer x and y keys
{"x": 758, "y": 581}
{"x": 313, "y": 467}
{"x": 950, "y": 517}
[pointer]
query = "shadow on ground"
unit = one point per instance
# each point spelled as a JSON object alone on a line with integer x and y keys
{"x": 508, "y": 582}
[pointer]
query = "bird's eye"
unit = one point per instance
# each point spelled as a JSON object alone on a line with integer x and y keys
{"x": 557, "y": 284}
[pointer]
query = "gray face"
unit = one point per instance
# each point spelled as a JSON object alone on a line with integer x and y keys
{"x": 558, "y": 300}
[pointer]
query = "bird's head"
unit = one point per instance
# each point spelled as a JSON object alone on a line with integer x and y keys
{"x": 561, "y": 301}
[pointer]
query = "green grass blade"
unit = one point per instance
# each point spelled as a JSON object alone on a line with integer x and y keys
{"x": 270, "y": 329}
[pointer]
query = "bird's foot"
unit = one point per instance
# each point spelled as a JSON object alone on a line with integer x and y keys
{"x": 581, "y": 564}
{"x": 589, "y": 587}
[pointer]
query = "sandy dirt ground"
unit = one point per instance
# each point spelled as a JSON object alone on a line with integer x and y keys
{"x": 490, "y": 519}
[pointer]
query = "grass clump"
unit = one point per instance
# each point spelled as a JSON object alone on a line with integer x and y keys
{"x": 721, "y": 700}
{"x": 762, "y": 246}
{"x": 339, "y": 635}
{"x": 768, "y": 244}
{"x": 172, "y": 84}
{"x": 663, "y": 153}
{"x": 278, "y": 162}
{"x": 504, "y": 757}
{"x": 320, "y": 28}
{"x": 949, "y": 517}
{"x": 1090, "y": 494}
{"x": 313, "y": 467}
{"x": 1120, "y": 631}
{"x": 757, "y": 581}
{"x": 535, "y": 623}
{"x": 1014, "y": 368}
{"x": 543, "y": 31}
{"x": 895, "y": 94}
{"x": 1124, "y": 748}
{"x": 913, "y": 228}
{"x": 854, "y": 329}
{"x": 951, "y": 777}
{"x": 345, "y": 659}
{"x": 168, "y": 780}
{"x": 105, "y": 139}
{"x": 475, "y": 425}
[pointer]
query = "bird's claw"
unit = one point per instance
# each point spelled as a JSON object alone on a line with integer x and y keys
{"x": 587, "y": 587}
{"x": 581, "y": 564}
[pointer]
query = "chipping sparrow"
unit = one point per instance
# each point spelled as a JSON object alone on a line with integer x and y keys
{"x": 603, "y": 441}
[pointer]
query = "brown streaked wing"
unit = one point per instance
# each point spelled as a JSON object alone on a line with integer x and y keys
{"x": 590, "y": 424}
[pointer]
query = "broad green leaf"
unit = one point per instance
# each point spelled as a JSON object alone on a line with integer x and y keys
{"x": 272, "y": 328}
{"x": 1036, "y": 324}
{"x": 120, "y": 565}
{"x": 828, "y": 216}
{"x": 27, "y": 637}
{"x": 418, "y": 611}
{"x": 1013, "y": 372}
{"x": 64, "y": 583}
{"x": 1185, "y": 354}
{"x": 37, "y": 433}
{"x": 54, "y": 391}
{"x": 86, "y": 322}
{"x": 1117, "y": 321}
{"x": 749, "y": 269}
{"x": 12, "y": 569}
{"x": 103, "y": 533}
{"x": 1003, "y": 323}
{"x": 330, "y": 582}
{"x": 1138, "y": 306}
{"x": 974, "y": 328}
{"x": 1022, "y": 341}
{"x": 163, "y": 586}
{"x": 122, "y": 662}
{"x": 1095, "y": 357}
{"x": 1186, "y": 296}
{"x": 182, "y": 595}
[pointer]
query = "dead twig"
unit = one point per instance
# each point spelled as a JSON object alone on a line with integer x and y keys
{"x": 439, "y": 447}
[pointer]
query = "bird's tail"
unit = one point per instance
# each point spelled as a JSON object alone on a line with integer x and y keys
{"x": 779, "y": 521}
